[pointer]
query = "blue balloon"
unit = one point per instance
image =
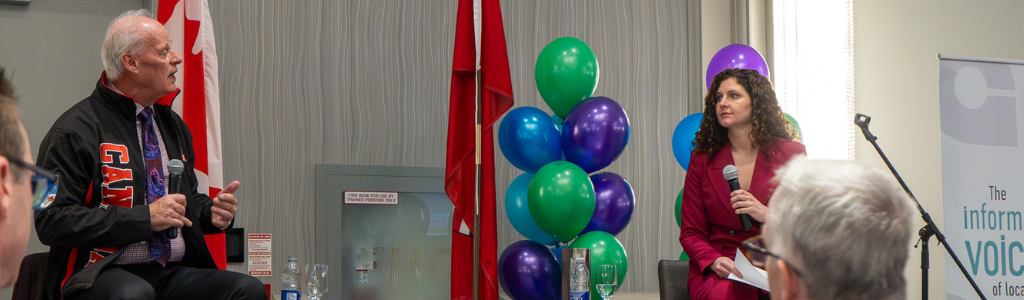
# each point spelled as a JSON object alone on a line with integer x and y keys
{"x": 613, "y": 204}
{"x": 682, "y": 138}
{"x": 528, "y": 270}
{"x": 529, "y": 139}
{"x": 502, "y": 140}
{"x": 594, "y": 133}
{"x": 518, "y": 211}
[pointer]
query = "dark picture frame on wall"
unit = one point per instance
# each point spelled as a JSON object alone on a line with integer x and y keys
{"x": 18, "y": 2}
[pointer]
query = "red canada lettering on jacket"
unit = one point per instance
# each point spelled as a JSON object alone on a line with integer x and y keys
{"x": 107, "y": 151}
{"x": 117, "y": 196}
{"x": 112, "y": 175}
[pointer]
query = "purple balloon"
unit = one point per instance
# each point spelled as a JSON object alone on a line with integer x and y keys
{"x": 594, "y": 133}
{"x": 528, "y": 270}
{"x": 614, "y": 204}
{"x": 736, "y": 56}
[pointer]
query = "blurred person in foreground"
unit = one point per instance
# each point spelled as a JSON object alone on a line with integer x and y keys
{"x": 106, "y": 222}
{"x": 742, "y": 126}
{"x": 22, "y": 185}
{"x": 835, "y": 230}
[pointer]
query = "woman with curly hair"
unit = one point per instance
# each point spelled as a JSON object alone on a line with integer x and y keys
{"x": 742, "y": 126}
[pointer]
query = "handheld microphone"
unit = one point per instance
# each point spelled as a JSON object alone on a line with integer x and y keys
{"x": 732, "y": 175}
{"x": 175, "y": 167}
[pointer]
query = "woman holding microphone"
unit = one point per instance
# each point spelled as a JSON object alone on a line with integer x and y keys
{"x": 742, "y": 126}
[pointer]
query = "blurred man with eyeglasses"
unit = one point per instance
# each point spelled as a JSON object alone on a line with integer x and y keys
{"x": 23, "y": 185}
{"x": 834, "y": 230}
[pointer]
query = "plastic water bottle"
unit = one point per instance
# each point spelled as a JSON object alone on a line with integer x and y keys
{"x": 580, "y": 286}
{"x": 290, "y": 280}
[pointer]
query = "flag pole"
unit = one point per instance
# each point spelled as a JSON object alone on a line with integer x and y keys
{"x": 479, "y": 139}
{"x": 476, "y": 196}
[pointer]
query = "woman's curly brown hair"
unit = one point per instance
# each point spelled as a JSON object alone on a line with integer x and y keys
{"x": 767, "y": 118}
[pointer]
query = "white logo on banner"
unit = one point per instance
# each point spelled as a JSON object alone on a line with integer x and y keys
{"x": 982, "y": 181}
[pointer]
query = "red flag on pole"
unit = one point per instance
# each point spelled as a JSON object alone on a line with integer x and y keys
{"x": 191, "y": 30}
{"x": 460, "y": 163}
{"x": 497, "y": 99}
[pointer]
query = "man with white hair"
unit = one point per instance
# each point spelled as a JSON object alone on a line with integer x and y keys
{"x": 107, "y": 221}
{"x": 835, "y": 230}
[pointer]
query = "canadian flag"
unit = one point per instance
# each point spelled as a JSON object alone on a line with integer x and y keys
{"x": 191, "y": 31}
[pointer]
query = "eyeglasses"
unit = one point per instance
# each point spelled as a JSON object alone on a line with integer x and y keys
{"x": 42, "y": 182}
{"x": 758, "y": 255}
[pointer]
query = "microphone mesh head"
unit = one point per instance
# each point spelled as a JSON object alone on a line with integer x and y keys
{"x": 730, "y": 172}
{"x": 176, "y": 167}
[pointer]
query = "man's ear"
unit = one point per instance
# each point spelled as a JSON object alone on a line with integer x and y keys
{"x": 790, "y": 280}
{"x": 130, "y": 63}
{"x": 6, "y": 180}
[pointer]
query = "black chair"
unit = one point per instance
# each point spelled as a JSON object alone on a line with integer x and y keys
{"x": 672, "y": 279}
{"x": 31, "y": 283}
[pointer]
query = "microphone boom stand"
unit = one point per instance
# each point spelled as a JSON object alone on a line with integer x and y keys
{"x": 929, "y": 229}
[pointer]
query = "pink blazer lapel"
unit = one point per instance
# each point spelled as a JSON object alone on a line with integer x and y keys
{"x": 761, "y": 185}
{"x": 720, "y": 187}
{"x": 760, "y": 181}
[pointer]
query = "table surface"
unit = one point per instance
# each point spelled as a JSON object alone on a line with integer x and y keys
{"x": 625, "y": 296}
{"x": 618, "y": 296}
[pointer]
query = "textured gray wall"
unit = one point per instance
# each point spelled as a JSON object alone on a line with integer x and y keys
{"x": 366, "y": 82}
{"x": 334, "y": 82}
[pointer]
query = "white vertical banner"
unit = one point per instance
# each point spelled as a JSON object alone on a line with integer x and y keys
{"x": 981, "y": 109}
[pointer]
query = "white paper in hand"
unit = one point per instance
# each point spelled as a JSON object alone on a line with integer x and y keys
{"x": 751, "y": 275}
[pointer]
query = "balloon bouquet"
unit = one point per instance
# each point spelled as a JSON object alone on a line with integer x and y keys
{"x": 555, "y": 203}
{"x": 729, "y": 57}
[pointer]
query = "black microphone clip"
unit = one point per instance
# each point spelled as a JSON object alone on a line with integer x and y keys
{"x": 862, "y": 120}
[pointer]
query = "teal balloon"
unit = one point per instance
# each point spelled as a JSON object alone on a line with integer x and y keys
{"x": 558, "y": 123}
{"x": 796, "y": 126}
{"x": 557, "y": 250}
{"x": 561, "y": 199}
{"x": 604, "y": 250}
{"x": 566, "y": 73}
{"x": 518, "y": 211}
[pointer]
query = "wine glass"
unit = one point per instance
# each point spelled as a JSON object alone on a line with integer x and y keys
{"x": 315, "y": 278}
{"x": 606, "y": 280}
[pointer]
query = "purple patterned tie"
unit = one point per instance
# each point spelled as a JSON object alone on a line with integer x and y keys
{"x": 159, "y": 246}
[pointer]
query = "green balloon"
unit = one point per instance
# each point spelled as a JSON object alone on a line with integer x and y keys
{"x": 604, "y": 250}
{"x": 561, "y": 199}
{"x": 566, "y": 73}
{"x": 679, "y": 208}
{"x": 796, "y": 126}
{"x": 679, "y": 220}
